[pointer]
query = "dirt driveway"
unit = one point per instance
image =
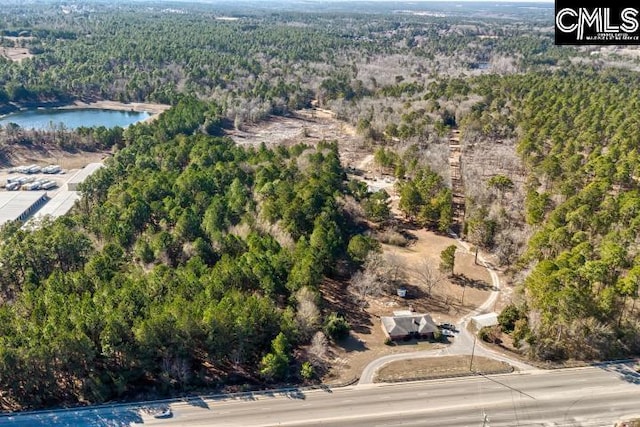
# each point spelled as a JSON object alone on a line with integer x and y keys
{"x": 448, "y": 301}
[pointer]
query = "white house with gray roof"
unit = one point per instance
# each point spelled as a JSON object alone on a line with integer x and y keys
{"x": 403, "y": 326}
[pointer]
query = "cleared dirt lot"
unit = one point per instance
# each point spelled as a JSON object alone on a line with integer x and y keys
{"x": 15, "y": 54}
{"x": 41, "y": 156}
{"x": 307, "y": 127}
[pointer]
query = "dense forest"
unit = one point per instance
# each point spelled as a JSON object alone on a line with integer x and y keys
{"x": 578, "y": 136}
{"x": 256, "y": 64}
{"x": 191, "y": 262}
{"x": 187, "y": 258}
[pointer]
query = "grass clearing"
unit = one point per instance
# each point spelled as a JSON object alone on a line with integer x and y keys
{"x": 438, "y": 367}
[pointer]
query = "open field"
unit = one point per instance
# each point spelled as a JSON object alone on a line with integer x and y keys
{"x": 308, "y": 127}
{"x": 438, "y": 367}
{"x": 15, "y": 54}
{"x": 43, "y": 156}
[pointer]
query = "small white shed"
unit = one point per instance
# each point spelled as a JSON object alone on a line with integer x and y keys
{"x": 483, "y": 320}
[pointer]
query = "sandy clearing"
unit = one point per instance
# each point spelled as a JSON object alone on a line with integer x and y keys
{"x": 119, "y": 106}
{"x": 44, "y": 156}
{"x": 365, "y": 162}
{"x": 15, "y": 54}
{"x": 309, "y": 126}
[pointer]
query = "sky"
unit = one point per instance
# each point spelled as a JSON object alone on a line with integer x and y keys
{"x": 383, "y": 1}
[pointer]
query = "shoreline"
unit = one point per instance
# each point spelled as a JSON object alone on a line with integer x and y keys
{"x": 142, "y": 107}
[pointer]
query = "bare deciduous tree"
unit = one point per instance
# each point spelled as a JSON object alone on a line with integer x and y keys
{"x": 395, "y": 267}
{"x": 364, "y": 284}
{"x": 378, "y": 275}
{"x": 428, "y": 276}
{"x": 318, "y": 350}
{"x": 177, "y": 369}
{"x": 307, "y": 314}
{"x": 509, "y": 244}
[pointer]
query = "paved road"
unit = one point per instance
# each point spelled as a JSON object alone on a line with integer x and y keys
{"x": 462, "y": 344}
{"x": 581, "y": 397}
{"x": 594, "y": 396}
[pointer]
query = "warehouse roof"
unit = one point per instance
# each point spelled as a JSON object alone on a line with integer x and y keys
{"x": 19, "y": 204}
{"x": 59, "y": 205}
{"x": 85, "y": 172}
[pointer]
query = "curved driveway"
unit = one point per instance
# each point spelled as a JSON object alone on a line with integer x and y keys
{"x": 463, "y": 343}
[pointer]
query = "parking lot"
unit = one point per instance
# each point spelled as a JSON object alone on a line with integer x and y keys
{"x": 60, "y": 179}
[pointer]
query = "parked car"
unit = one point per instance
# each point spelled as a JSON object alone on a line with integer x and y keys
{"x": 448, "y": 333}
{"x": 448, "y": 326}
{"x": 164, "y": 414}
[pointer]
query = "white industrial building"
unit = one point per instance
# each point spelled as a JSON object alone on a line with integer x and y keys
{"x": 19, "y": 205}
{"x": 59, "y": 205}
{"x": 81, "y": 175}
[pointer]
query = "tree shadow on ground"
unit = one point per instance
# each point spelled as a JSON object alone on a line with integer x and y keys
{"x": 294, "y": 393}
{"x": 114, "y": 416}
{"x": 412, "y": 292}
{"x": 197, "y": 401}
{"x": 325, "y": 388}
{"x": 419, "y": 300}
{"x": 290, "y": 393}
{"x": 5, "y": 160}
{"x": 625, "y": 371}
{"x": 339, "y": 300}
{"x": 351, "y": 344}
{"x": 404, "y": 227}
{"x": 462, "y": 280}
{"x": 249, "y": 396}
{"x": 415, "y": 341}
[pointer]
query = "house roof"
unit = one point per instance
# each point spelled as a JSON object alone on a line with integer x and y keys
{"x": 406, "y": 324}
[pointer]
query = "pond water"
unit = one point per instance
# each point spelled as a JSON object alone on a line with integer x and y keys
{"x": 46, "y": 119}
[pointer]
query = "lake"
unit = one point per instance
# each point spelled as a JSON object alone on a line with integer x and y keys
{"x": 44, "y": 118}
